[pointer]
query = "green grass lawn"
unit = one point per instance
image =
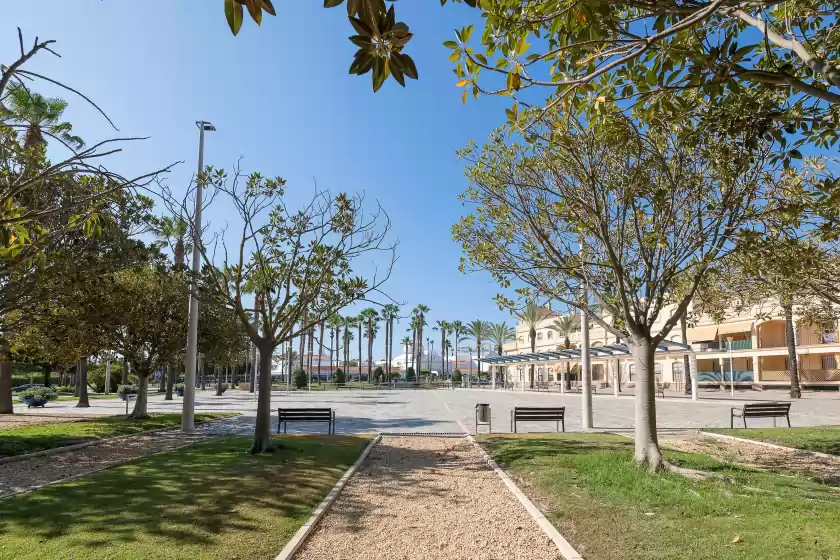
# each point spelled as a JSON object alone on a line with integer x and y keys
{"x": 212, "y": 500}
{"x": 609, "y": 509}
{"x": 824, "y": 439}
{"x": 28, "y": 439}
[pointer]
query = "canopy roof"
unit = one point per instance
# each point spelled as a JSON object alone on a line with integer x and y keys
{"x": 609, "y": 350}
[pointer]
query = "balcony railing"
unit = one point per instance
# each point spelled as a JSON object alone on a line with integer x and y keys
{"x": 805, "y": 375}
{"x": 741, "y": 376}
{"x": 745, "y": 344}
{"x": 829, "y": 338}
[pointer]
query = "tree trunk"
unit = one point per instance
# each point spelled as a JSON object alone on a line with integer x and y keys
{"x": 262, "y": 426}
{"x": 218, "y": 371}
{"x": 162, "y": 386}
{"x": 793, "y": 365}
{"x": 81, "y": 384}
{"x": 253, "y": 367}
{"x": 141, "y": 404}
{"x": 77, "y": 388}
{"x": 686, "y": 368}
{"x": 320, "y": 350}
{"x": 170, "y": 381}
{"x": 647, "y": 453}
{"x": 370, "y": 350}
{"x": 6, "y": 403}
{"x": 47, "y": 371}
{"x": 125, "y": 372}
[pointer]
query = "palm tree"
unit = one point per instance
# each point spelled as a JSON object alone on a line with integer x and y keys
{"x": 333, "y": 323}
{"x": 370, "y": 317}
{"x": 565, "y": 326}
{"x": 501, "y": 334}
{"x": 480, "y": 331}
{"x": 406, "y": 342}
{"x": 420, "y": 312}
{"x": 389, "y": 313}
{"x": 457, "y": 328}
{"x": 531, "y": 317}
{"x": 444, "y": 327}
{"x": 40, "y": 116}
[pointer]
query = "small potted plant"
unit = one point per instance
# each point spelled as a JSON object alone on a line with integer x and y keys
{"x": 125, "y": 390}
{"x": 179, "y": 389}
{"x": 38, "y": 396}
{"x": 220, "y": 389}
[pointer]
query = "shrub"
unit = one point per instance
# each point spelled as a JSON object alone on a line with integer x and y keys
{"x": 96, "y": 376}
{"x": 39, "y": 394}
{"x": 425, "y": 373}
{"x": 456, "y": 377}
{"x": 395, "y": 375}
{"x": 66, "y": 389}
{"x": 339, "y": 377}
{"x": 299, "y": 379}
{"x": 409, "y": 374}
{"x": 127, "y": 390}
{"x": 379, "y": 374}
{"x": 224, "y": 387}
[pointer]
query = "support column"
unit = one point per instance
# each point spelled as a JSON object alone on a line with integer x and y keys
{"x": 692, "y": 369}
{"x": 616, "y": 369}
{"x": 585, "y": 372}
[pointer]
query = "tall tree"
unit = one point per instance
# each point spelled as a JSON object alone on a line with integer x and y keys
{"x": 420, "y": 316}
{"x": 565, "y": 326}
{"x": 40, "y": 116}
{"x": 501, "y": 334}
{"x": 480, "y": 331}
{"x": 624, "y": 208}
{"x": 406, "y": 343}
{"x": 390, "y": 312}
{"x": 443, "y": 327}
{"x": 370, "y": 316}
{"x": 298, "y": 261}
{"x": 531, "y": 316}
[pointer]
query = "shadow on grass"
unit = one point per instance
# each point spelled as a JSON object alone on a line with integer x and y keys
{"x": 184, "y": 497}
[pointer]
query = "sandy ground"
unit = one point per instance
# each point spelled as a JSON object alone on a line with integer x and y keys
{"x": 426, "y": 498}
{"x": 37, "y": 471}
{"x": 759, "y": 456}
{"x": 32, "y": 419}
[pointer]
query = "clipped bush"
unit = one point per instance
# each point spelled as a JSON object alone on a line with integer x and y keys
{"x": 66, "y": 389}
{"x": 409, "y": 374}
{"x": 379, "y": 374}
{"x": 96, "y": 376}
{"x": 338, "y": 376}
{"x": 127, "y": 390}
{"x": 39, "y": 394}
{"x": 299, "y": 379}
{"x": 222, "y": 388}
{"x": 456, "y": 377}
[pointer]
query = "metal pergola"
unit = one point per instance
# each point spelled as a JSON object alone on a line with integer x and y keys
{"x": 605, "y": 351}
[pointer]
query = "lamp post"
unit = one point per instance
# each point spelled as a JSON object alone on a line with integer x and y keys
{"x": 187, "y": 416}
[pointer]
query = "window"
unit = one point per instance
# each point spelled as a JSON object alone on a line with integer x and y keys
{"x": 539, "y": 374}
{"x": 539, "y": 336}
{"x": 632, "y": 371}
{"x": 549, "y": 335}
{"x": 657, "y": 371}
{"x": 829, "y": 362}
{"x": 829, "y": 336}
{"x": 521, "y": 340}
{"x": 677, "y": 371}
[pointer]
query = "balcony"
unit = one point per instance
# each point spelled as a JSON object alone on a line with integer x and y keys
{"x": 829, "y": 338}
{"x": 741, "y": 376}
{"x": 745, "y": 344}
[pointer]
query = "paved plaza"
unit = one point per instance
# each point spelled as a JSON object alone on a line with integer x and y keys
{"x": 436, "y": 411}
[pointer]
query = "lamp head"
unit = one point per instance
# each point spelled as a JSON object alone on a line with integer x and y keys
{"x": 205, "y": 126}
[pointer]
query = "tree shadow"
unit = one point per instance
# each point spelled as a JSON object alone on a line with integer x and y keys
{"x": 185, "y": 497}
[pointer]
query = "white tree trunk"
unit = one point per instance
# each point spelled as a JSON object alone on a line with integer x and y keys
{"x": 262, "y": 426}
{"x": 647, "y": 442}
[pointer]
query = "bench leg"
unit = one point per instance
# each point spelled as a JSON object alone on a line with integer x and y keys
{"x": 745, "y": 421}
{"x": 563, "y": 422}
{"x": 284, "y": 428}
{"x": 787, "y": 417}
{"x": 731, "y": 421}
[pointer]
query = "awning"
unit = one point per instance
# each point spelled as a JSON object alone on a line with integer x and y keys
{"x": 702, "y": 334}
{"x": 733, "y": 328}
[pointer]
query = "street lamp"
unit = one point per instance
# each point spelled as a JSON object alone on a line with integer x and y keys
{"x": 731, "y": 367}
{"x": 187, "y": 415}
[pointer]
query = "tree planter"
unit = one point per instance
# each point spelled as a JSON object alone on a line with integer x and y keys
{"x": 124, "y": 397}
{"x": 35, "y": 402}
{"x": 179, "y": 392}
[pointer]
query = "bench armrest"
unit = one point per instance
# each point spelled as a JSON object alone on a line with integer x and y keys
{"x": 734, "y": 409}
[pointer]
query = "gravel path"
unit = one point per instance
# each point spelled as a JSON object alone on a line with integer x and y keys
{"x": 426, "y": 498}
{"x": 17, "y": 420}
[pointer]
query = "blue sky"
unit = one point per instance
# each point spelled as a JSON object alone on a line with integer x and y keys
{"x": 281, "y": 98}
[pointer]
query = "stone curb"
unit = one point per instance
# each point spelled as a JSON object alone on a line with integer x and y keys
{"x": 111, "y": 466}
{"x": 300, "y": 537}
{"x": 563, "y": 546}
{"x": 74, "y": 447}
{"x": 771, "y": 445}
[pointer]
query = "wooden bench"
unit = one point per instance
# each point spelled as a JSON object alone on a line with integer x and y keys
{"x": 343, "y": 386}
{"x": 579, "y": 389}
{"x": 286, "y": 415}
{"x": 541, "y": 386}
{"x": 760, "y": 410}
{"x": 522, "y": 414}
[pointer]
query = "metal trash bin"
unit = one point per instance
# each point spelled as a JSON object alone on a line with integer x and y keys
{"x": 483, "y": 417}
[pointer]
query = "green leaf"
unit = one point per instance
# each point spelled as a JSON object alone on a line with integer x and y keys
{"x": 450, "y": 44}
{"x": 332, "y": 3}
{"x": 410, "y": 68}
{"x": 361, "y": 27}
{"x": 234, "y": 15}
{"x": 268, "y": 7}
{"x": 255, "y": 10}
{"x": 795, "y": 154}
{"x": 467, "y": 33}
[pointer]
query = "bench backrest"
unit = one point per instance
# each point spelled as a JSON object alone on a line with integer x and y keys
{"x": 304, "y": 414}
{"x": 767, "y": 409}
{"x": 540, "y": 413}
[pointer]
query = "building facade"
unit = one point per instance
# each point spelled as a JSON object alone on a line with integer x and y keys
{"x": 745, "y": 350}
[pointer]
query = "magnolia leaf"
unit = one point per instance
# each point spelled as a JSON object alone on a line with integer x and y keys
{"x": 464, "y": 97}
{"x": 234, "y": 15}
{"x": 255, "y": 10}
{"x": 268, "y": 7}
{"x": 462, "y": 83}
{"x": 450, "y": 44}
{"x": 332, "y": 3}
